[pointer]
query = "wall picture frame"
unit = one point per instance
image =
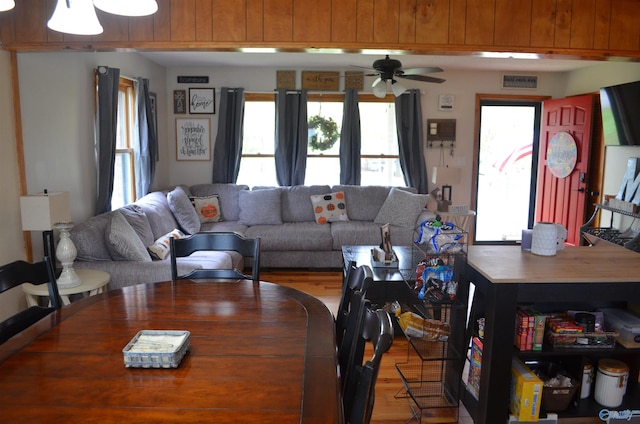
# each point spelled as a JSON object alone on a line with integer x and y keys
{"x": 193, "y": 139}
{"x": 202, "y": 101}
{"x": 179, "y": 102}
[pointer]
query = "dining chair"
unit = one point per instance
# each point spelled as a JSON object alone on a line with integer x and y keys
{"x": 350, "y": 319}
{"x": 248, "y": 248}
{"x": 17, "y": 273}
{"x": 359, "y": 393}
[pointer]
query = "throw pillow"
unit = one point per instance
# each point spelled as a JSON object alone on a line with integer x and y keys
{"x": 207, "y": 208}
{"x": 401, "y": 208}
{"x": 329, "y": 207}
{"x": 160, "y": 248}
{"x": 259, "y": 207}
{"x": 183, "y": 210}
{"x": 122, "y": 241}
{"x": 138, "y": 220}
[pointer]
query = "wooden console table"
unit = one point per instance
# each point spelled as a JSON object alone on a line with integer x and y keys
{"x": 505, "y": 276}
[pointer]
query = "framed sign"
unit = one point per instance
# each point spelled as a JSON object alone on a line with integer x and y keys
{"x": 179, "y": 101}
{"x": 320, "y": 80}
{"x": 193, "y": 139}
{"x": 202, "y": 100}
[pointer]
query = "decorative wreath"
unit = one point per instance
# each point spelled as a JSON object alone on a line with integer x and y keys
{"x": 325, "y": 134}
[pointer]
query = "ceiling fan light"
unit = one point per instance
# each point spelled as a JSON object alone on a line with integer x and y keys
{"x": 75, "y": 17}
{"x": 379, "y": 88}
{"x": 127, "y": 7}
{"x": 397, "y": 88}
{"x": 7, "y": 5}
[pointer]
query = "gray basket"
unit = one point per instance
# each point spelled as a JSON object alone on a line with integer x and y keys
{"x": 156, "y": 349}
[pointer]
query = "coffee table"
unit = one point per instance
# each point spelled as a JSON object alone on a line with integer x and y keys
{"x": 389, "y": 284}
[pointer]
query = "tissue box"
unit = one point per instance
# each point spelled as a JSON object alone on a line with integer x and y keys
{"x": 526, "y": 392}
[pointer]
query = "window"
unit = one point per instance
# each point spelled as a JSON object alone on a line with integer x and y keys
{"x": 124, "y": 169}
{"x": 380, "y": 162}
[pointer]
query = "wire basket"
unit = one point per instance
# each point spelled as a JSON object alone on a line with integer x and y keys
{"x": 156, "y": 349}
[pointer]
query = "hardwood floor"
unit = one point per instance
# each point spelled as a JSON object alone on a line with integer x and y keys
{"x": 388, "y": 409}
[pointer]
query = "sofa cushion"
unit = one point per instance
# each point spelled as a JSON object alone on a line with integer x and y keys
{"x": 183, "y": 210}
{"x": 123, "y": 242}
{"x": 296, "y": 203}
{"x": 292, "y": 236}
{"x": 160, "y": 248}
{"x": 89, "y": 238}
{"x": 363, "y": 202}
{"x": 228, "y": 194}
{"x": 138, "y": 220}
{"x": 156, "y": 206}
{"x": 401, "y": 208}
{"x": 260, "y": 207}
{"x": 330, "y": 207}
{"x": 207, "y": 208}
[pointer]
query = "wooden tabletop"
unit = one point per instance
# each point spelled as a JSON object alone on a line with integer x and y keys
{"x": 260, "y": 353}
{"x": 583, "y": 264}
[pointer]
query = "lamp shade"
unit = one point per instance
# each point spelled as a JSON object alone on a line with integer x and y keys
{"x": 444, "y": 175}
{"x": 127, "y": 7}
{"x": 41, "y": 211}
{"x": 397, "y": 88}
{"x": 6, "y": 5}
{"x": 379, "y": 88}
{"x": 75, "y": 17}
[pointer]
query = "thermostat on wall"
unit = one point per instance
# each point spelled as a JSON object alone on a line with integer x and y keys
{"x": 446, "y": 101}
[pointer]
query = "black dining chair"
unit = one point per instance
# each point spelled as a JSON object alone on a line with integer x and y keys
{"x": 350, "y": 315}
{"x": 359, "y": 393}
{"x": 17, "y": 273}
{"x": 248, "y": 248}
{"x": 358, "y": 279}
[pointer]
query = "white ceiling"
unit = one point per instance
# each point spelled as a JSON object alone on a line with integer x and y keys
{"x": 344, "y": 60}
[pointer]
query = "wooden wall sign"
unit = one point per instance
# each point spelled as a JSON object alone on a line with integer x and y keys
{"x": 320, "y": 80}
{"x": 353, "y": 80}
{"x": 286, "y": 80}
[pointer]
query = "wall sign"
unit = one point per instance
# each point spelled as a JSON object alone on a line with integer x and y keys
{"x": 562, "y": 154}
{"x": 193, "y": 80}
{"x": 193, "y": 139}
{"x": 202, "y": 100}
{"x": 320, "y": 80}
{"x": 179, "y": 101}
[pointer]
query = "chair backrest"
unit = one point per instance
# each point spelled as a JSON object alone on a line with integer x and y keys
{"x": 248, "y": 248}
{"x": 359, "y": 392}
{"x": 358, "y": 281}
{"x": 17, "y": 273}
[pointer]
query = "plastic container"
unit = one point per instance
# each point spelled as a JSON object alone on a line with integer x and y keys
{"x": 626, "y": 324}
{"x": 587, "y": 379}
{"x": 611, "y": 382}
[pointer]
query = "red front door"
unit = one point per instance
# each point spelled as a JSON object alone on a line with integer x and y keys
{"x": 561, "y": 195}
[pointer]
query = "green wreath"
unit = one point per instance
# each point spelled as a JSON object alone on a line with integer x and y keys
{"x": 326, "y": 133}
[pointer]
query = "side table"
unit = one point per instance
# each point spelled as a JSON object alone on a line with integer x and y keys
{"x": 93, "y": 282}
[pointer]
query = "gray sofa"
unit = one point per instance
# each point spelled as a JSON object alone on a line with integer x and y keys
{"x": 299, "y": 227}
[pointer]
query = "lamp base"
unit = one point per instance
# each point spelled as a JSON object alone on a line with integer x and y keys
{"x": 68, "y": 278}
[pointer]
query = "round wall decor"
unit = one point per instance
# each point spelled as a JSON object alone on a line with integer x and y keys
{"x": 562, "y": 154}
{"x": 323, "y": 133}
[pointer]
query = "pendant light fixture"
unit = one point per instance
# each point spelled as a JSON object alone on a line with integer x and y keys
{"x": 380, "y": 88}
{"x": 75, "y": 17}
{"x": 127, "y": 7}
{"x": 6, "y": 5}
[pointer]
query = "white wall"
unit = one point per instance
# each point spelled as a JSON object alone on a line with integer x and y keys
{"x": 12, "y": 247}
{"x": 57, "y": 100}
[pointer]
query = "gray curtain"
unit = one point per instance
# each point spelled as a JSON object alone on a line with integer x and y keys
{"x": 409, "y": 126}
{"x": 106, "y": 128}
{"x": 228, "y": 146}
{"x": 146, "y": 146}
{"x": 350, "y": 140}
{"x": 291, "y": 138}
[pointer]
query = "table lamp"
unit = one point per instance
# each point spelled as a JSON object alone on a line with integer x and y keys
{"x": 44, "y": 212}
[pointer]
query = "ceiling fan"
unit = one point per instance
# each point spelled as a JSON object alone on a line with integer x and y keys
{"x": 388, "y": 69}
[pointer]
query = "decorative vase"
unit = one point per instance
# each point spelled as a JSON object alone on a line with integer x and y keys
{"x": 544, "y": 241}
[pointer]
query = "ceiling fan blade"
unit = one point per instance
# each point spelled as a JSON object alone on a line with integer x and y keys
{"x": 416, "y": 71}
{"x": 422, "y": 78}
{"x": 368, "y": 68}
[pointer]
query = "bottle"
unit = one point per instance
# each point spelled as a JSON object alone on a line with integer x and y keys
{"x": 587, "y": 379}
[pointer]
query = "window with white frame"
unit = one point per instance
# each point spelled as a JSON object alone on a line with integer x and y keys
{"x": 124, "y": 191}
{"x": 380, "y": 161}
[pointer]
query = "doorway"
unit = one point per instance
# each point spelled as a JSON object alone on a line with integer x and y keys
{"x": 508, "y": 130}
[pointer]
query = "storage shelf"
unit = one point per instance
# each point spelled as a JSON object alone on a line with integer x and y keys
{"x": 424, "y": 383}
{"x": 593, "y": 235}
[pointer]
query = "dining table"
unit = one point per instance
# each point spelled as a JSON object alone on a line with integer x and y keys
{"x": 258, "y": 352}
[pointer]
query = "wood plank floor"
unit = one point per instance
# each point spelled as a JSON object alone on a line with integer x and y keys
{"x": 389, "y": 408}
